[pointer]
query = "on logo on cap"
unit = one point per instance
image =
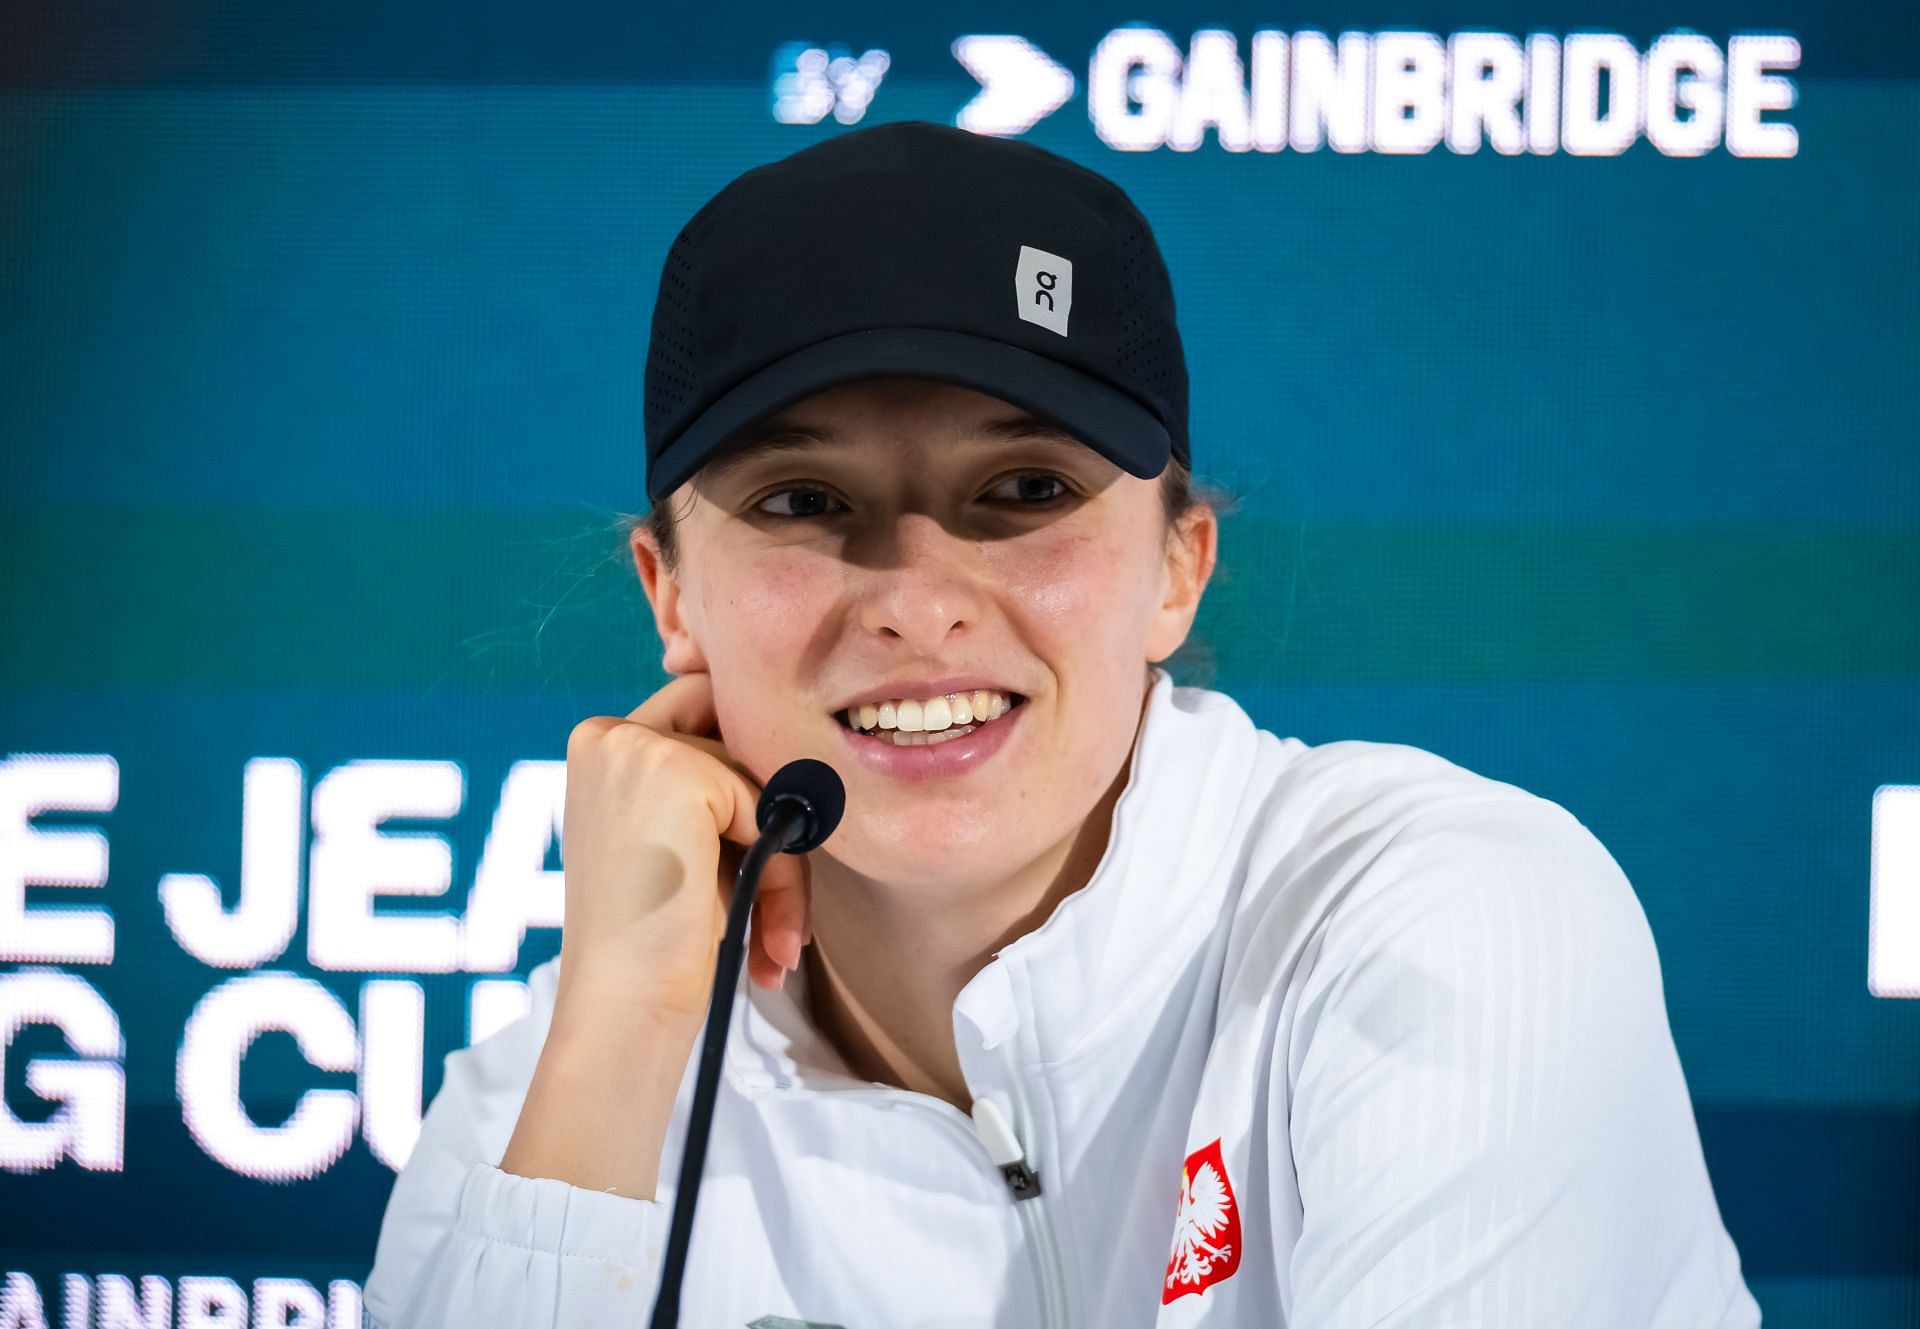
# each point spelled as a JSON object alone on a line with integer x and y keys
{"x": 1043, "y": 288}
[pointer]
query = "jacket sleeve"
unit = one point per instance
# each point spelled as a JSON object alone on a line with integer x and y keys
{"x": 1488, "y": 1117}
{"x": 463, "y": 1243}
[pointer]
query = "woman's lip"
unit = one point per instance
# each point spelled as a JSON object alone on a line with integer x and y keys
{"x": 933, "y": 761}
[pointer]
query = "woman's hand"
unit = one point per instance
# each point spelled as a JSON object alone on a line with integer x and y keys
{"x": 658, "y": 818}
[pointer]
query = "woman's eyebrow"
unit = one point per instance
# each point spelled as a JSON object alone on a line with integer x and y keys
{"x": 776, "y": 437}
{"x": 1027, "y": 427}
{"x": 770, "y": 438}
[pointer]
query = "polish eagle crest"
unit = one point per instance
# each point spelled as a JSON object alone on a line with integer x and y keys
{"x": 1206, "y": 1228}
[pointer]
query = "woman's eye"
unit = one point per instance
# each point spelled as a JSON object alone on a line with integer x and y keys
{"x": 1030, "y": 489}
{"x": 809, "y": 503}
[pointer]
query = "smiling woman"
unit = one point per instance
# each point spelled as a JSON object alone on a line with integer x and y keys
{"x": 1101, "y": 1005}
{"x": 922, "y": 576}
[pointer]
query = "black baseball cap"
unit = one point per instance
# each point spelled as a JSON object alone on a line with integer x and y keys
{"x": 916, "y": 248}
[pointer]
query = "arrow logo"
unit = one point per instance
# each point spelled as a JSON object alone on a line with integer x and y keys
{"x": 1020, "y": 84}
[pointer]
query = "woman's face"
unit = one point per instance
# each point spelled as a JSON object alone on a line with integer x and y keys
{"x": 928, "y": 537}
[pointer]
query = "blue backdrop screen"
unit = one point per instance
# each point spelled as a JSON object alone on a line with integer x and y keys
{"x": 1563, "y": 364}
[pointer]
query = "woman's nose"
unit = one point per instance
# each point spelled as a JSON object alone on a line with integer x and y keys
{"x": 925, "y": 587}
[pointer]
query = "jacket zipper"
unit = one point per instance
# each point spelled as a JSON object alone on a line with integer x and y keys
{"x": 1046, "y": 1255}
{"x": 1003, "y": 1146}
{"x": 988, "y": 1128}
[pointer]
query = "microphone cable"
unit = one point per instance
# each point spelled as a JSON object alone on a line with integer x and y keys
{"x": 799, "y": 808}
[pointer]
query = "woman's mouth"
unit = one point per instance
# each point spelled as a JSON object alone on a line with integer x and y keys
{"x": 928, "y": 722}
{"x": 959, "y": 743}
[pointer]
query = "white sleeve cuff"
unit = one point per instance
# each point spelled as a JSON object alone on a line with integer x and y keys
{"x": 555, "y": 1217}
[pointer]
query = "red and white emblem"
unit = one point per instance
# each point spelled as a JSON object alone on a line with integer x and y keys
{"x": 1206, "y": 1232}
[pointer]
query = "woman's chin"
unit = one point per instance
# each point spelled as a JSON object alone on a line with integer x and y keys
{"x": 934, "y": 858}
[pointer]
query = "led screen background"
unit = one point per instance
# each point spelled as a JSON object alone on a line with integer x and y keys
{"x": 321, "y": 346}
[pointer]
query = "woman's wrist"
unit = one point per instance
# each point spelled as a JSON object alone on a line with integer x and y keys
{"x": 602, "y": 1092}
{"x": 590, "y": 1008}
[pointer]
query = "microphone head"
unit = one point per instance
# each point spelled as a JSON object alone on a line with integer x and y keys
{"x": 813, "y": 786}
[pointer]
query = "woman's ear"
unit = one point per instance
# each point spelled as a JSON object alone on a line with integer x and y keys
{"x": 1191, "y": 550}
{"x": 680, "y": 654}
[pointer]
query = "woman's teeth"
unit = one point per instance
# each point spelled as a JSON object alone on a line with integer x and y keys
{"x": 911, "y": 722}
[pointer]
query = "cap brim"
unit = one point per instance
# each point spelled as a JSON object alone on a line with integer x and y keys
{"x": 1103, "y": 417}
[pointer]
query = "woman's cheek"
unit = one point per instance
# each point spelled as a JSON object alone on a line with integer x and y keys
{"x": 1068, "y": 578}
{"x": 762, "y": 614}
{"x": 772, "y": 601}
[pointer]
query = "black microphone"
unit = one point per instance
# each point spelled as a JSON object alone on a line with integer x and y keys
{"x": 798, "y": 810}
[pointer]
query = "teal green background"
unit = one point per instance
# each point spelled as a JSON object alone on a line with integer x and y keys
{"x": 321, "y": 356}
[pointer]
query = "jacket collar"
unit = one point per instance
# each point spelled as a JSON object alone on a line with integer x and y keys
{"x": 1108, "y": 950}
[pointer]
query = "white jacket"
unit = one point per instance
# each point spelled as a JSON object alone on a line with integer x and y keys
{"x": 1337, "y": 1035}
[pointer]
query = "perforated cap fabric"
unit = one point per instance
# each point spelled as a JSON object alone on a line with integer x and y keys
{"x": 916, "y": 248}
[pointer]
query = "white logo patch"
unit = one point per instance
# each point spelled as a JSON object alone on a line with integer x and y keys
{"x": 1043, "y": 288}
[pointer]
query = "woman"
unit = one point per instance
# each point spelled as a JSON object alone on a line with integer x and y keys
{"x": 1101, "y": 1006}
